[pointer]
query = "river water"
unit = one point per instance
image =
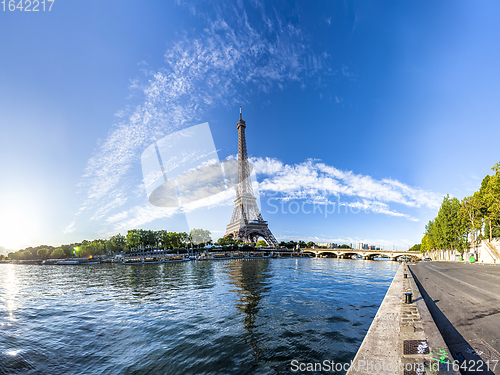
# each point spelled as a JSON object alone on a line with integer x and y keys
{"x": 205, "y": 317}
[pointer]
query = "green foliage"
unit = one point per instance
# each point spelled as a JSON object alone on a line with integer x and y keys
{"x": 344, "y": 247}
{"x": 68, "y": 250}
{"x": 289, "y": 244}
{"x": 43, "y": 253}
{"x": 117, "y": 244}
{"x": 261, "y": 243}
{"x": 58, "y": 253}
{"x": 491, "y": 201}
{"x": 133, "y": 239}
{"x": 225, "y": 241}
{"x": 200, "y": 236}
{"x": 415, "y": 247}
{"x": 449, "y": 229}
{"x": 475, "y": 217}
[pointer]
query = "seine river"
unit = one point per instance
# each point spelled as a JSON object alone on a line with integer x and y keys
{"x": 205, "y": 317}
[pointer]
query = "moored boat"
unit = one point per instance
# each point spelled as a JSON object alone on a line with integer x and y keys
{"x": 68, "y": 262}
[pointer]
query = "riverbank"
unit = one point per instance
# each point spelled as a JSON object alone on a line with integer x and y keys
{"x": 402, "y": 338}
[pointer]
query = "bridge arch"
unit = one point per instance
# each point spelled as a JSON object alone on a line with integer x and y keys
{"x": 328, "y": 254}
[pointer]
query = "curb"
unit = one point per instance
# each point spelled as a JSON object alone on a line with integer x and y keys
{"x": 403, "y": 339}
{"x": 378, "y": 353}
{"x": 429, "y": 331}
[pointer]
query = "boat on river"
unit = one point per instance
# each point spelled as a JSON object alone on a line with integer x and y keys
{"x": 68, "y": 262}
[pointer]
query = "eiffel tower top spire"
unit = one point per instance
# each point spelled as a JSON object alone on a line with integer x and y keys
{"x": 241, "y": 122}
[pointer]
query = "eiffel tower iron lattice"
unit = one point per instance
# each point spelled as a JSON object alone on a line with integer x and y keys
{"x": 246, "y": 222}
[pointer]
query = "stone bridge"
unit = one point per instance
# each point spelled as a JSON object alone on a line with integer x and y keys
{"x": 366, "y": 254}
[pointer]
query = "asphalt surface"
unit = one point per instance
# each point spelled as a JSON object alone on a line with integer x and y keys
{"x": 464, "y": 301}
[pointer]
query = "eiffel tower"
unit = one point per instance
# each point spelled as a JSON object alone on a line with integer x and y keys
{"x": 246, "y": 222}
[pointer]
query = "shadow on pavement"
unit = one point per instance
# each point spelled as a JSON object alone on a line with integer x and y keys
{"x": 469, "y": 360}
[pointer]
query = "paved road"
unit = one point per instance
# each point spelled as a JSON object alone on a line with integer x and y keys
{"x": 464, "y": 300}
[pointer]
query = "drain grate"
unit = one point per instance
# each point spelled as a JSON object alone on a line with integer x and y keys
{"x": 415, "y": 347}
{"x": 413, "y": 372}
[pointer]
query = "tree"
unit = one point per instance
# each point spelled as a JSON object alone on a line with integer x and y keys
{"x": 82, "y": 251}
{"x": 133, "y": 239}
{"x": 470, "y": 213}
{"x": 58, "y": 253}
{"x": 43, "y": 253}
{"x": 449, "y": 228}
{"x": 27, "y": 254}
{"x": 293, "y": 244}
{"x": 425, "y": 246}
{"x": 117, "y": 243}
{"x": 68, "y": 249}
{"x": 429, "y": 242}
{"x": 147, "y": 238}
{"x": 415, "y": 247}
{"x": 225, "y": 241}
{"x": 164, "y": 239}
{"x": 261, "y": 243}
{"x": 491, "y": 199}
{"x": 200, "y": 236}
{"x": 174, "y": 239}
{"x": 183, "y": 238}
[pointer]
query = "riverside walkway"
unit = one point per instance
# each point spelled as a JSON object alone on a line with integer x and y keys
{"x": 464, "y": 301}
{"x": 402, "y": 339}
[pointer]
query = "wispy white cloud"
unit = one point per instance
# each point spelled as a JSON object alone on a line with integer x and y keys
{"x": 200, "y": 72}
{"x": 230, "y": 55}
{"x": 137, "y": 216}
{"x": 70, "y": 228}
{"x": 311, "y": 181}
{"x": 317, "y": 182}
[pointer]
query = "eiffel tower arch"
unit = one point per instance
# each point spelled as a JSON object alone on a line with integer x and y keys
{"x": 246, "y": 222}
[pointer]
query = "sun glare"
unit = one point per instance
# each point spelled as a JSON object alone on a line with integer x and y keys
{"x": 19, "y": 224}
{"x": 9, "y": 288}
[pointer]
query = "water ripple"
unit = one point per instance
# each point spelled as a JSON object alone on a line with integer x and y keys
{"x": 223, "y": 317}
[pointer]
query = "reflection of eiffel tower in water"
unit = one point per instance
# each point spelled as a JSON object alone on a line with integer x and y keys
{"x": 252, "y": 283}
{"x": 246, "y": 222}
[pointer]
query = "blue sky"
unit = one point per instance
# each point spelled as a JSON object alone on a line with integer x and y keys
{"x": 381, "y": 106}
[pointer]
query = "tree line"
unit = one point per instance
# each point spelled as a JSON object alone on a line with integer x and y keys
{"x": 461, "y": 223}
{"x": 135, "y": 239}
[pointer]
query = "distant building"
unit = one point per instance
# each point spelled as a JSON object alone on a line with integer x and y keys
{"x": 328, "y": 245}
{"x": 350, "y": 245}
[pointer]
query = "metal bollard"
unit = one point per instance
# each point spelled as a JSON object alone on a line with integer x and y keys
{"x": 408, "y": 297}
